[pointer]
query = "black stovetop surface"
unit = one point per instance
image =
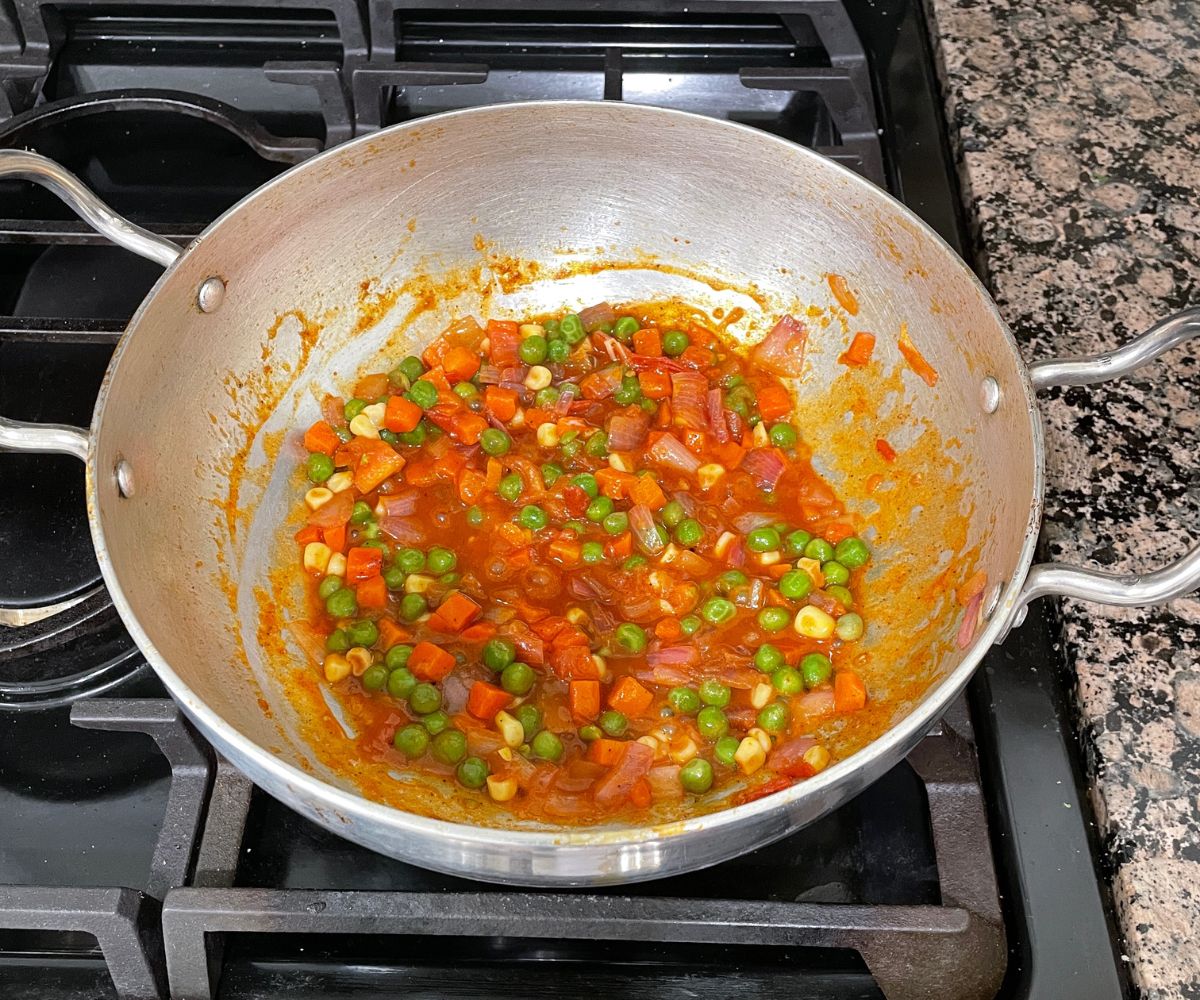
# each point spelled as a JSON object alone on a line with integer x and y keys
{"x": 81, "y": 807}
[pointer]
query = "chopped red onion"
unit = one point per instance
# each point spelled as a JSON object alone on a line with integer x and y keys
{"x": 601, "y": 384}
{"x": 686, "y": 501}
{"x": 641, "y": 522}
{"x": 627, "y": 430}
{"x": 674, "y": 656}
{"x": 966, "y": 631}
{"x": 688, "y": 400}
{"x": 402, "y": 530}
{"x": 399, "y": 504}
{"x": 716, "y": 416}
{"x": 782, "y": 350}
{"x": 641, "y": 363}
{"x": 613, "y": 348}
{"x": 735, "y": 425}
{"x": 597, "y": 315}
{"x": 488, "y": 375}
{"x": 567, "y": 395}
{"x": 745, "y": 523}
{"x": 668, "y": 450}
{"x": 765, "y": 466}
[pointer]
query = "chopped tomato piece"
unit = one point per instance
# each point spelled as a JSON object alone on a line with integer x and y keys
{"x": 429, "y": 662}
{"x": 421, "y": 473}
{"x": 574, "y": 663}
{"x": 860, "y": 350}
{"x": 485, "y": 700}
{"x": 886, "y": 451}
{"x": 655, "y": 385}
{"x": 321, "y": 438}
{"x": 371, "y": 387}
{"x": 774, "y": 402}
{"x": 363, "y": 563}
{"x": 916, "y": 360}
{"x": 619, "y": 548}
{"x": 841, "y": 292}
{"x": 613, "y": 484}
{"x": 504, "y": 339}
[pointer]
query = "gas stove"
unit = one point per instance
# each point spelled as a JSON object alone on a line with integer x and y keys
{"x": 135, "y": 863}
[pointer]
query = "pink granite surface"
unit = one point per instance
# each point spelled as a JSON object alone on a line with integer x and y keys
{"x": 1077, "y": 127}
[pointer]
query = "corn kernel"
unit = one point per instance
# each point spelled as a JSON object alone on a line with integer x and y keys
{"x": 375, "y": 412}
{"x": 418, "y": 583}
{"x": 761, "y": 694}
{"x": 361, "y": 426}
{"x": 750, "y": 755}
{"x": 505, "y": 753}
{"x": 547, "y": 435}
{"x": 813, "y": 569}
{"x": 359, "y": 658}
{"x": 485, "y": 345}
{"x": 337, "y": 565}
{"x": 510, "y": 730}
{"x": 727, "y": 539}
{"x": 601, "y": 666}
{"x": 813, "y": 623}
{"x": 817, "y": 758}
{"x": 761, "y": 438}
{"x": 501, "y": 789}
{"x": 518, "y": 420}
{"x": 764, "y": 739}
{"x": 670, "y": 554}
{"x": 318, "y": 496}
{"x": 768, "y": 558}
{"x": 576, "y": 616}
{"x": 617, "y": 462}
{"x": 339, "y": 482}
{"x": 538, "y": 377}
{"x": 316, "y": 557}
{"x": 337, "y": 668}
{"x": 650, "y": 742}
{"x": 709, "y": 475}
{"x": 531, "y": 330}
{"x": 684, "y": 752}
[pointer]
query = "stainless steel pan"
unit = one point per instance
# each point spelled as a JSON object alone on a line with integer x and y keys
{"x": 515, "y": 209}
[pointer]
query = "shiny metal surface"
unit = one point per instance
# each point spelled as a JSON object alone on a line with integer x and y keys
{"x": 445, "y": 216}
{"x": 20, "y": 435}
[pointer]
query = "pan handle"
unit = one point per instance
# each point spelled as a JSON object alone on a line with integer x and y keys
{"x": 1126, "y": 589}
{"x": 24, "y": 165}
{"x": 17, "y": 435}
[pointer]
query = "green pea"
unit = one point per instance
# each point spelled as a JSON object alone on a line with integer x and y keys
{"x": 412, "y": 367}
{"x": 613, "y": 723}
{"x": 794, "y": 543}
{"x": 551, "y": 473}
{"x": 689, "y": 532}
{"x": 763, "y": 540}
{"x": 532, "y": 517}
{"x": 473, "y": 772}
{"x": 329, "y": 586}
{"x": 725, "y": 749}
{"x": 343, "y": 434}
{"x": 592, "y": 552}
{"x": 795, "y": 585}
{"x": 553, "y": 328}
{"x": 320, "y": 467}
{"x": 815, "y": 668}
{"x": 599, "y": 509}
{"x": 783, "y": 435}
{"x": 517, "y": 678}
{"x": 401, "y": 682}
{"x": 533, "y": 349}
{"x": 630, "y": 638}
{"x": 498, "y": 653}
{"x": 423, "y": 393}
{"x": 558, "y": 351}
{"x": 835, "y": 573}
{"x": 852, "y": 552}
{"x": 589, "y": 733}
{"x": 617, "y": 523}
{"x": 338, "y": 641}
{"x": 530, "y": 717}
{"x": 628, "y": 392}
{"x": 353, "y": 408}
{"x": 841, "y": 595}
{"x": 774, "y": 717}
{"x": 412, "y": 606}
{"x": 713, "y": 692}
{"x": 818, "y": 549}
{"x": 510, "y": 487}
{"x": 494, "y": 441}
{"x": 424, "y": 698}
{"x": 626, "y": 327}
{"x": 684, "y": 700}
{"x": 416, "y": 437}
{"x": 394, "y": 577}
{"x": 389, "y": 437}
{"x": 773, "y": 619}
{"x": 675, "y": 342}
{"x": 768, "y": 658}
{"x": 587, "y": 482}
{"x": 731, "y": 580}
{"x": 371, "y": 532}
{"x": 374, "y": 677}
{"x": 673, "y": 513}
{"x": 787, "y": 681}
{"x": 450, "y": 579}
{"x": 449, "y": 746}
{"x": 633, "y": 562}
{"x": 412, "y": 740}
{"x": 546, "y": 745}
{"x": 690, "y": 624}
{"x": 696, "y": 776}
{"x": 410, "y": 560}
{"x": 572, "y": 328}
{"x": 398, "y": 379}
{"x": 342, "y": 603}
{"x": 435, "y": 722}
{"x": 712, "y": 723}
{"x": 474, "y": 516}
{"x": 576, "y": 526}
{"x": 717, "y": 610}
{"x": 597, "y": 444}
{"x": 363, "y": 633}
{"x": 849, "y": 627}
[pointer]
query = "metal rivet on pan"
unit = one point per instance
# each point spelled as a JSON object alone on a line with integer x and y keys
{"x": 211, "y": 294}
{"x": 989, "y": 394}
{"x": 992, "y": 601}
{"x": 124, "y": 476}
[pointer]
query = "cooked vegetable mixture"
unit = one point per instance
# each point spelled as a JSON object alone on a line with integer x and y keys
{"x": 582, "y": 565}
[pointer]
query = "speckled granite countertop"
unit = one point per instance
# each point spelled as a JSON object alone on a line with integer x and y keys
{"x": 1077, "y": 126}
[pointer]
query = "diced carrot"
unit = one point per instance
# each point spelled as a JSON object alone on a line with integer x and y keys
{"x": 467, "y": 426}
{"x": 613, "y": 484}
{"x": 372, "y": 593}
{"x": 401, "y": 415}
{"x": 343, "y": 457}
{"x": 774, "y": 402}
{"x": 362, "y": 563}
{"x": 648, "y": 342}
{"x": 574, "y": 663}
{"x": 640, "y": 794}
{"x": 458, "y": 610}
{"x": 886, "y": 451}
{"x": 377, "y": 461}
{"x": 849, "y": 692}
{"x": 309, "y": 533}
{"x": 460, "y": 363}
{"x": 695, "y": 356}
{"x": 860, "y": 350}
{"x": 584, "y": 699}
{"x": 335, "y": 537}
{"x": 479, "y": 632}
{"x": 645, "y": 490}
{"x": 778, "y": 571}
{"x": 320, "y": 437}
{"x": 535, "y": 416}
{"x": 664, "y": 416}
{"x": 421, "y": 473}
{"x": 668, "y": 629}
{"x": 485, "y": 700}
{"x": 391, "y": 634}
{"x": 620, "y": 547}
{"x": 501, "y": 403}
{"x": 836, "y": 531}
{"x": 430, "y": 662}
{"x": 630, "y": 697}
{"x": 371, "y": 387}
{"x": 693, "y": 439}
{"x": 655, "y": 385}
{"x": 514, "y": 534}
{"x": 471, "y": 486}
{"x": 841, "y": 292}
{"x": 437, "y": 623}
{"x": 874, "y": 481}
{"x": 450, "y": 464}
{"x": 702, "y": 336}
{"x": 916, "y": 360}
{"x": 565, "y": 549}
{"x": 605, "y": 751}
{"x": 495, "y": 472}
